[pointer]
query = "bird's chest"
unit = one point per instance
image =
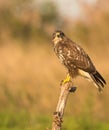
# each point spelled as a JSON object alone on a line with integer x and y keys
{"x": 63, "y": 55}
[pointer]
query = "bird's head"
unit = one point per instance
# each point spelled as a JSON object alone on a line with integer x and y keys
{"x": 57, "y": 37}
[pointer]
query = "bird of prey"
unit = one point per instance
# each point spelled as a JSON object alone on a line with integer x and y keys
{"x": 76, "y": 60}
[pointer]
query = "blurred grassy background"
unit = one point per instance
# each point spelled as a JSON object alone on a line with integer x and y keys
{"x": 30, "y": 72}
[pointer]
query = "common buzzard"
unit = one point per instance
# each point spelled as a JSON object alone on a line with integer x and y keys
{"x": 76, "y": 60}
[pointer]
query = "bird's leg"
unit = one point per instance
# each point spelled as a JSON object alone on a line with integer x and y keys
{"x": 67, "y": 79}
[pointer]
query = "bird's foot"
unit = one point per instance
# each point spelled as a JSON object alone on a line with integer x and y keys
{"x": 67, "y": 79}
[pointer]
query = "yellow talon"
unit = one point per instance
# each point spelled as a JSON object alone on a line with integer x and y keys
{"x": 67, "y": 79}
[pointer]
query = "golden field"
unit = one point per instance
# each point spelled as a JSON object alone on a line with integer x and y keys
{"x": 30, "y": 79}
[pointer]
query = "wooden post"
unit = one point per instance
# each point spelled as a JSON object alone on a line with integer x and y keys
{"x": 58, "y": 115}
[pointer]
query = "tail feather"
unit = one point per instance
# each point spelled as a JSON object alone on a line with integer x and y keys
{"x": 99, "y": 80}
{"x": 100, "y": 77}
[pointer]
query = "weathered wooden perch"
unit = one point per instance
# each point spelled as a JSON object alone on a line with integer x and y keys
{"x": 58, "y": 115}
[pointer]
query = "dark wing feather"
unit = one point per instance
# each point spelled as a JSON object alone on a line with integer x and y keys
{"x": 79, "y": 57}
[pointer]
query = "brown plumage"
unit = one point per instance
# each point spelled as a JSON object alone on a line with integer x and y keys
{"x": 75, "y": 59}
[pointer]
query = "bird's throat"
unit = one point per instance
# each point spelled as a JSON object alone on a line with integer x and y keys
{"x": 57, "y": 40}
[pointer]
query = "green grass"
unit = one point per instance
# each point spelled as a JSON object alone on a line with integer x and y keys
{"x": 25, "y": 121}
{"x": 22, "y": 121}
{"x": 84, "y": 123}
